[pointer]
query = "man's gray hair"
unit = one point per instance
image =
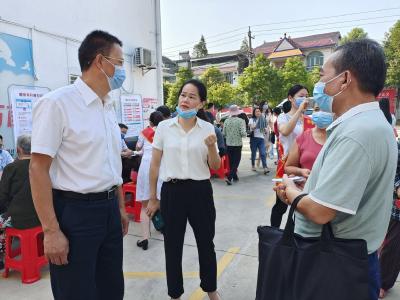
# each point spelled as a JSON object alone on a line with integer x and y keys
{"x": 24, "y": 142}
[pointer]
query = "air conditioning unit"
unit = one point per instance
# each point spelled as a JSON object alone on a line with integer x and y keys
{"x": 142, "y": 57}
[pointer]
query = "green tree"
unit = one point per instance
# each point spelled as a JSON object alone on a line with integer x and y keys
{"x": 355, "y": 34}
{"x": 222, "y": 94}
{"x": 182, "y": 75}
{"x": 200, "y": 49}
{"x": 293, "y": 72}
{"x": 245, "y": 46}
{"x": 313, "y": 78}
{"x": 166, "y": 89}
{"x": 260, "y": 81}
{"x": 212, "y": 76}
{"x": 392, "y": 51}
{"x": 243, "y": 56}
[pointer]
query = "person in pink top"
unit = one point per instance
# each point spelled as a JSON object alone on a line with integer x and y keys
{"x": 307, "y": 146}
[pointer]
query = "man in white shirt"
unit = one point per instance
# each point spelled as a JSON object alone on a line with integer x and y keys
{"x": 5, "y": 156}
{"x": 75, "y": 176}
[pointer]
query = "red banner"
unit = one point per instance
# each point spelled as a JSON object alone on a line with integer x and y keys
{"x": 308, "y": 123}
{"x": 148, "y": 133}
{"x": 390, "y": 93}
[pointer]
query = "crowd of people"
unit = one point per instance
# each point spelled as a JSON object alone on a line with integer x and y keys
{"x": 69, "y": 178}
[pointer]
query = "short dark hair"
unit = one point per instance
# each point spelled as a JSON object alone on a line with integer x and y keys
{"x": 201, "y": 88}
{"x": 277, "y": 110}
{"x": 244, "y": 117}
{"x": 295, "y": 89}
{"x": 96, "y": 42}
{"x": 166, "y": 112}
{"x": 366, "y": 61}
{"x": 156, "y": 117}
{"x": 210, "y": 105}
{"x": 122, "y": 126}
{"x": 201, "y": 114}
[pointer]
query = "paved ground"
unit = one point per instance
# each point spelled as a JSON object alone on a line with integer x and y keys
{"x": 240, "y": 209}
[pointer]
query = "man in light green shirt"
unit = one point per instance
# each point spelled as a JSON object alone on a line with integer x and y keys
{"x": 351, "y": 182}
{"x": 234, "y": 130}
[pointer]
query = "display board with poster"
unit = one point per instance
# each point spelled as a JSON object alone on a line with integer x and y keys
{"x": 132, "y": 114}
{"x": 22, "y": 99}
{"x": 149, "y": 105}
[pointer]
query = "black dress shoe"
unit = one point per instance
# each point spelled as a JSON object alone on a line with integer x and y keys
{"x": 143, "y": 244}
{"x": 228, "y": 182}
{"x": 236, "y": 179}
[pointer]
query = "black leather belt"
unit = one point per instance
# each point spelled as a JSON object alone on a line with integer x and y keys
{"x": 106, "y": 195}
{"x": 175, "y": 180}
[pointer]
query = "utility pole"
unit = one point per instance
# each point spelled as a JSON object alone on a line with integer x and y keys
{"x": 251, "y": 53}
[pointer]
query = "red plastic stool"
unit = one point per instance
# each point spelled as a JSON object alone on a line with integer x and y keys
{"x": 30, "y": 251}
{"x": 132, "y": 207}
{"x": 134, "y": 176}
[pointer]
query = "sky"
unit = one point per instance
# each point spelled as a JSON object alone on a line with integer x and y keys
{"x": 224, "y": 23}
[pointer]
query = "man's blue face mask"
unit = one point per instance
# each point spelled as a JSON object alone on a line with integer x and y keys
{"x": 323, "y": 100}
{"x": 116, "y": 81}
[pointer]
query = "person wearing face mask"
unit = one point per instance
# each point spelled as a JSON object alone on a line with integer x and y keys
{"x": 290, "y": 126}
{"x": 184, "y": 148}
{"x": 351, "y": 183}
{"x": 75, "y": 175}
{"x": 307, "y": 146}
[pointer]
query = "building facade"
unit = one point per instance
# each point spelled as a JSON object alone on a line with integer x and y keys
{"x": 230, "y": 63}
{"x": 313, "y": 49}
{"x": 39, "y": 43}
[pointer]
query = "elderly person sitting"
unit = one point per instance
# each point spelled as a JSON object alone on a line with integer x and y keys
{"x": 16, "y": 205}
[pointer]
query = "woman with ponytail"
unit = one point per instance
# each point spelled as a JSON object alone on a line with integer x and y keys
{"x": 184, "y": 149}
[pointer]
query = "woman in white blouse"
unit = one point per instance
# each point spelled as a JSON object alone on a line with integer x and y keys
{"x": 290, "y": 126}
{"x": 184, "y": 148}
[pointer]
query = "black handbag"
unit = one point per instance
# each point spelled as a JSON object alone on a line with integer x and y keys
{"x": 292, "y": 267}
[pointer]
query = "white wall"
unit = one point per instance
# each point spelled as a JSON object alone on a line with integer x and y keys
{"x": 55, "y": 56}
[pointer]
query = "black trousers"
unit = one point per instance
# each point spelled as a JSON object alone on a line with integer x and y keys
{"x": 235, "y": 155}
{"x": 278, "y": 210}
{"x": 94, "y": 270}
{"x": 192, "y": 201}
{"x": 390, "y": 256}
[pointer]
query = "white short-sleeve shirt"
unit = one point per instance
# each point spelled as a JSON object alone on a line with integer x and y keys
{"x": 184, "y": 154}
{"x": 82, "y": 135}
{"x": 287, "y": 141}
{"x": 257, "y": 132}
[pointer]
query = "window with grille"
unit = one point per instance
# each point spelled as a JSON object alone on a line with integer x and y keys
{"x": 315, "y": 59}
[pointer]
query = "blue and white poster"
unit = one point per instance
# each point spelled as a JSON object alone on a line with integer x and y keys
{"x": 16, "y": 68}
{"x": 22, "y": 99}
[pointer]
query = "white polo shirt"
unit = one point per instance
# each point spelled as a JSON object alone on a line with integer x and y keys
{"x": 184, "y": 154}
{"x": 82, "y": 135}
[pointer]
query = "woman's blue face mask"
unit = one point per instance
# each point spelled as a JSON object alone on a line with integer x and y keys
{"x": 322, "y": 119}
